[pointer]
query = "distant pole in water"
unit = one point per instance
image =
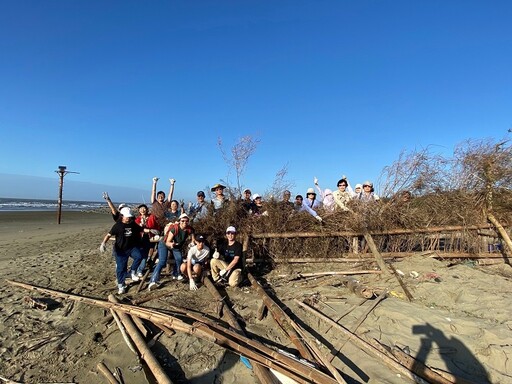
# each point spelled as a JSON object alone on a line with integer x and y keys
{"x": 61, "y": 172}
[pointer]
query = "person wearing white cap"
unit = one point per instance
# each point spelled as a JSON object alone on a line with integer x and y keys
{"x": 127, "y": 244}
{"x": 311, "y": 200}
{"x": 327, "y": 197}
{"x": 367, "y": 193}
{"x": 175, "y": 239}
{"x": 256, "y": 207}
{"x": 227, "y": 263}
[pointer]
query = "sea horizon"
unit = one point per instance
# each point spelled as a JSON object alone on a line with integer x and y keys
{"x": 13, "y": 204}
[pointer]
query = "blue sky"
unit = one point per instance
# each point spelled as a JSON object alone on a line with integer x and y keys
{"x": 122, "y": 91}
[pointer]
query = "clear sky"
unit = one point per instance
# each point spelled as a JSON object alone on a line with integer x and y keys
{"x": 122, "y": 91}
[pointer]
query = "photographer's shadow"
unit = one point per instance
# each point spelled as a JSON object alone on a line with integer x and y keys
{"x": 459, "y": 360}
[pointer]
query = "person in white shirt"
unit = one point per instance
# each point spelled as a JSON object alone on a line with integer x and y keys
{"x": 197, "y": 257}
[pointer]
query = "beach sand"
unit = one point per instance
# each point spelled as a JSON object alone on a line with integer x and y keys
{"x": 460, "y": 319}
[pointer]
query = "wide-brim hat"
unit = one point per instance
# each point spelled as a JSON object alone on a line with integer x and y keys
{"x": 217, "y": 186}
{"x": 310, "y": 191}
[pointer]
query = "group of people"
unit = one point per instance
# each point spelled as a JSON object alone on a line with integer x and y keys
{"x": 169, "y": 226}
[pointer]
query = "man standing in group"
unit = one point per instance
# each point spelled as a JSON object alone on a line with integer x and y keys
{"x": 199, "y": 210}
{"x": 230, "y": 263}
{"x": 127, "y": 244}
{"x": 159, "y": 206}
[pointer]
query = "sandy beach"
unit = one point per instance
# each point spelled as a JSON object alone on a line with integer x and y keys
{"x": 459, "y": 321}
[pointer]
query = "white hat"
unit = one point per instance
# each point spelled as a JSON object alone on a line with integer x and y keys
{"x": 126, "y": 212}
{"x": 358, "y": 186}
{"x": 184, "y": 216}
{"x": 255, "y": 196}
{"x": 121, "y": 206}
{"x": 231, "y": 229}
{"x": 310, "y": 190}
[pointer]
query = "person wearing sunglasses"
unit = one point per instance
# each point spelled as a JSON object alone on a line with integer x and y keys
{"x": 367, "y": 194}
{"x": 343, "y": 195}
{"x": 175, "y": 240}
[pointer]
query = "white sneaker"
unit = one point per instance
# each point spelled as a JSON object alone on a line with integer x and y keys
{"x": 179, "y": 278}
{"x": 135, "y": 277}
{"x": 140, "y": 274}
{"x": 152, "y": 286}
{"x": 121, "y": 290}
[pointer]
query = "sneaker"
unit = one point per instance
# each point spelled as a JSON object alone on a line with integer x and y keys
{"x": 179, "y": 278}
{"x": 135, "y": 277}
{"x": 121, "y": 290}
{"x": 152, "y": 286}
{"x": 140, "y": 274}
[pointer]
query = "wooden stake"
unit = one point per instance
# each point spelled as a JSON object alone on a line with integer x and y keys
{"x": 146, "y": 354}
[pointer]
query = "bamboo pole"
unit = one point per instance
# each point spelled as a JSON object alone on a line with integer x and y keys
{"x": 376, "y": 254}
{"x": 206, "y": 330}
{"x": 503, "y": 234}
{"x": 281, "y": 318}
{"x": 106, "y": 372}
{"x": 326, "y": 362}
{"x": 336, "y": 273}
{"x": 368, "y": 257}
{"x": 125, "y": 335}
{"x": 146, "y": 354}
{"x": 449, "y": 228}
{"x": 262, "y": 373}
{"x": 362, "y": 344}
{"x": 362, "y": 318}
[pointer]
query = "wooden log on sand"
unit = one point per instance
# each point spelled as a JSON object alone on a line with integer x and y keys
{"x": 207, "y": 330}
{"x": 282, "y": 319}
{"x": 365, "y": 346}
{"x": 146, "y": 354}
{"x": 106, "y": 372}
{"x": 262, "y": 373}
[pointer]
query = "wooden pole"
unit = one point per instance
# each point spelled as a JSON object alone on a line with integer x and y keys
{"x": 146, "y": 354}
{"x": 365, "y": 346}
{"x": 262, "y": 373}
{"x": 106, "y": 372}
{"x": 282, "y": 319}
{"x": 503, "y": 234}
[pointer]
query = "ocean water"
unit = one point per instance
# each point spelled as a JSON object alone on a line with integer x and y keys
{"x": 14, "y": 204}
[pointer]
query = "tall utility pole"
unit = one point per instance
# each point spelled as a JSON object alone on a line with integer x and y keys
{"x": 61, "y": 172}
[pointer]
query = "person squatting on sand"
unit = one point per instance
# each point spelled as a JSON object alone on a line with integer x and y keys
{"x": 227, "y": 262}
{"x": 174, "y": 239}
{"x": 197, "y": 260}
{"x": 127, "y": 244}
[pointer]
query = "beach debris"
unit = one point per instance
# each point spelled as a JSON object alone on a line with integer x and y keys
{"x": 414, "y": 274}
{"x": 281, "y": 318}
{"x": 142, "y": 348}
{"x": 35, "y": 303}
{"x": 107, "y": 373}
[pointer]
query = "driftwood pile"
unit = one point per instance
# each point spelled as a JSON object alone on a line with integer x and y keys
{"x": 270, "y": 365}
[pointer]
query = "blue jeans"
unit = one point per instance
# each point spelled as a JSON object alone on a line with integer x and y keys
{"x": 144, "y": 251}
{"x": 122, "y": 263}
{"x": 162, "y": 261}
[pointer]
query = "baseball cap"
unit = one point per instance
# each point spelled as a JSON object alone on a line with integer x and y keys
{"x": 231, "y": 229}
{"x": 183, "y": 216}
{"x": 126, "y": 212}
{"x": 256, "y": 196}
{"x": 200, "y": 238}
{"x": 121, "y": 206}
{"x": 200, "y": 193}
